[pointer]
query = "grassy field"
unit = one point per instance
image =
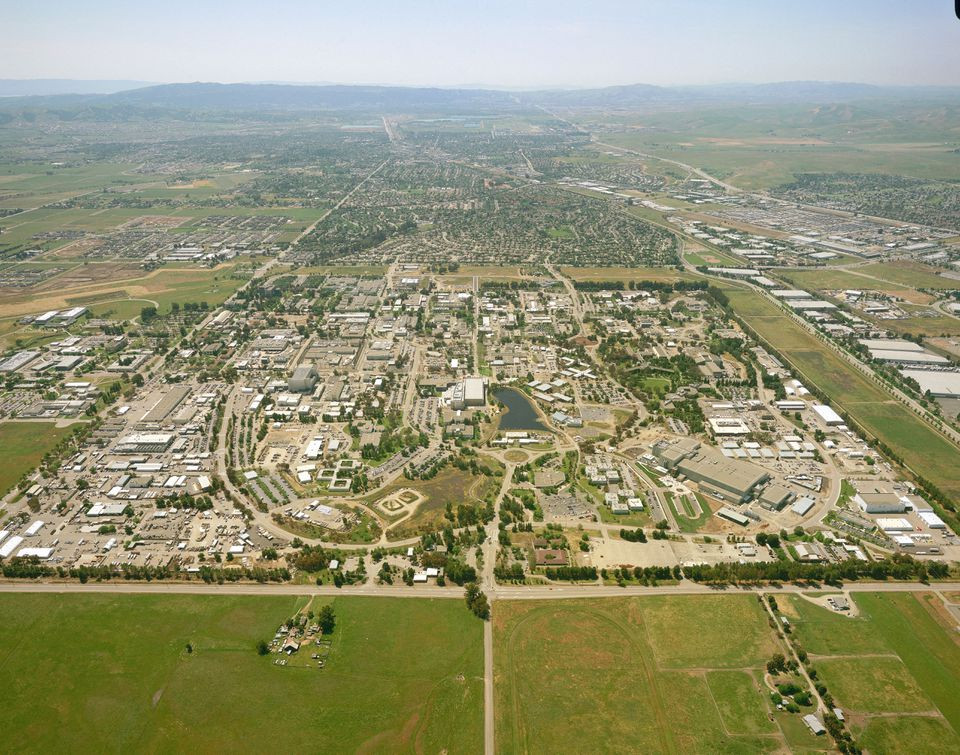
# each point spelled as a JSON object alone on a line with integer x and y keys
{"x": 162, "y": 287}
{"x": 110, "y": 673}
{"x": 836, "y": 280}
{"x": 926, "y": 326}
{"x": 762, "y": 146}
{"x": 894, "y": 669}
{"x": 22, "y": 445}
{"x": 923, "y": 450}
{"x": 639, "y": 274}
{"x": 637, "y": 675}
{"x": 910, "y": 274}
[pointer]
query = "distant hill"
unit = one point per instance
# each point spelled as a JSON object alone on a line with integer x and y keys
{"x": 333, "y": 97}
{"x": 47, "y": 87}
{"x": 287, "y": 97}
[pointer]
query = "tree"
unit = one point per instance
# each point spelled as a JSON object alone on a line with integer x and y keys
{"x": 263, "y": 648}
{"x": 326, "y": 619}
{"x": 777, "y": 664}
{"x": 477, "y": 601}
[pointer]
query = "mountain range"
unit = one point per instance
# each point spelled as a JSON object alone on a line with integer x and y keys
{"x": 56, "y": 93}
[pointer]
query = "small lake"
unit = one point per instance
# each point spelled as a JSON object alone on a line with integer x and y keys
{"x": 520, "y": 414}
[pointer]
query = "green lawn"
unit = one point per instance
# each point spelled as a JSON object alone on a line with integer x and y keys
{"x": 110, "y": 673}
{"x": 683, "y": 513}
{"x": 605, "y": 675}
{"x": 22, "y": 445}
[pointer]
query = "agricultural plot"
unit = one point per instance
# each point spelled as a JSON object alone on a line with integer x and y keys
{"x": 82, "y": 689}
{"x": 663, "y": 682}
{"x": 894, "y": 669}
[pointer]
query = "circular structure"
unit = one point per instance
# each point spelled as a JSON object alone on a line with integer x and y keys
{"x": 516, "y": 456}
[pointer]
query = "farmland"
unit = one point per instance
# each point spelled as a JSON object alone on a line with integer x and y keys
{"x": 894, "y": 669}
{"x": 81, "y": 689}
{"x": 625, "y": 655}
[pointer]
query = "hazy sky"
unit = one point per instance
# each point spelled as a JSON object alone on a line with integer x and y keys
{"x": 491, "y": 42}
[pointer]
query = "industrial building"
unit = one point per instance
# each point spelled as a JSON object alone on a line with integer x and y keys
{"x": 463, "y": 394}
{"x": 901, "y": 351}
{"x": 303, "y": 380}
{"x": 939, "y": 383}
{"x": 170, "y": 401}
{"x": 144, "y": 443}
{"x": 728, "y": 479}
{"x": 827, "y": 414}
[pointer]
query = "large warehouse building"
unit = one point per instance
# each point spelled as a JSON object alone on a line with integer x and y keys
{"x": 471, "y": 391}
{"x": 728, "y": 479}
{"x": 941, "y": 384}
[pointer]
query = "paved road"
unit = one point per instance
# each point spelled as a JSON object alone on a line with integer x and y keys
{"x": 498, "y": 592}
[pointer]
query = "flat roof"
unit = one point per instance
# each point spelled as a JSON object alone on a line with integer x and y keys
{"x": 827, "y": 414}
{"x": 939, "y": 382}
{"x": 717, "y": 469}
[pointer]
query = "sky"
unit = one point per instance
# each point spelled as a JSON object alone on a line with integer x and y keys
{"x": 515, "y": 44}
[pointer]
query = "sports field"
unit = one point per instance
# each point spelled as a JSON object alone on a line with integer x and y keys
{"x": 926, "y": 452}
{"x": 660, "y": 674}
{"x": 111, "y": 673}
{"x": 894, "y": 669}
{"x": 22, "y": 445}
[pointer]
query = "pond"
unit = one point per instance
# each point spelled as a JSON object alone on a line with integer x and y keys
{"x": 520, "y": 414}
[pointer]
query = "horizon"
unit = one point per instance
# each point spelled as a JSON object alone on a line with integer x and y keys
{"x": 537, "y": 46}
{"x": 469, "y": 86}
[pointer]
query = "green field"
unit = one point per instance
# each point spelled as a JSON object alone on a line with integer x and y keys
{"x": 626, "y": 274}
{"x": 660, "y": 674}
{"x": 900, "y": 659}
{"x": 911, "y": 274}
{"x": 110, "y": 673}
{"x": 923, "y": 450}
{"x": 837, "y": 280}
{"x": 22, "y": 445}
